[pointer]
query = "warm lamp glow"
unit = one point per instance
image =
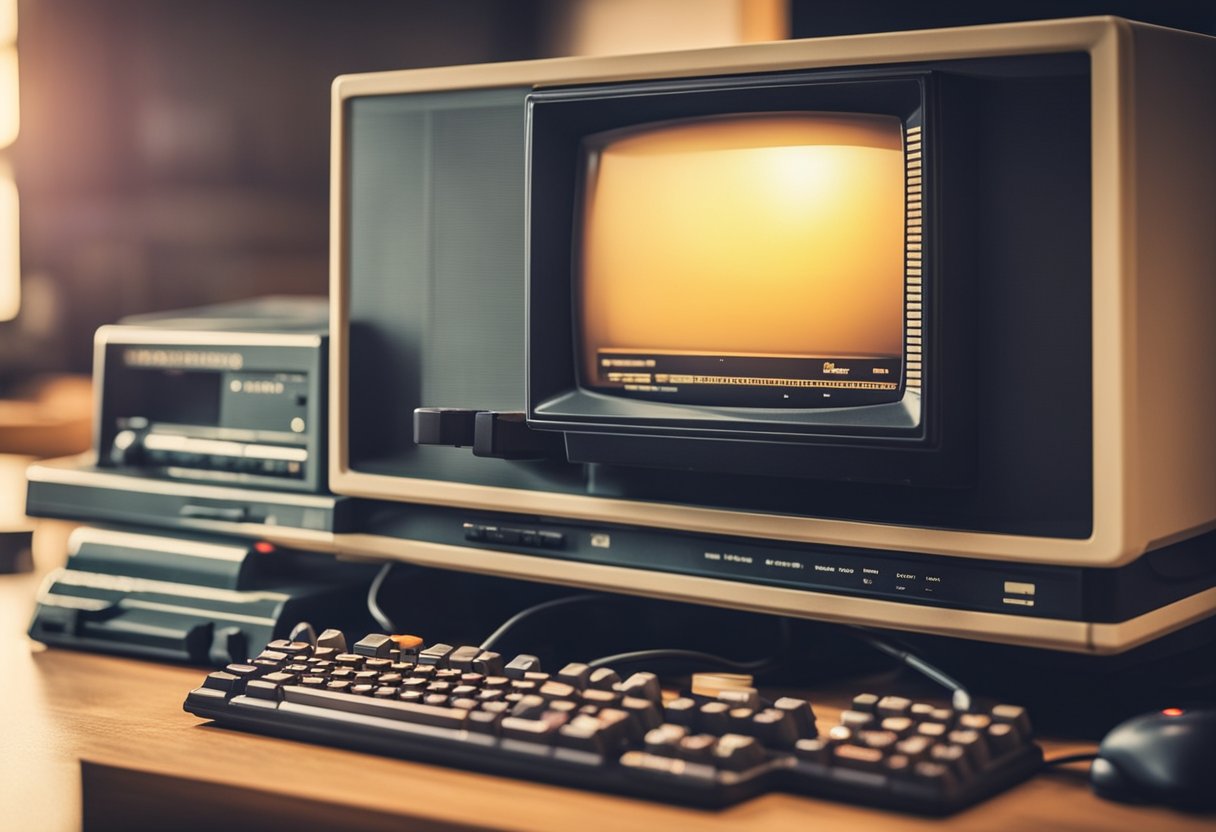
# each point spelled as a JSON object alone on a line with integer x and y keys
{"x": 10, "y": 261}
{"x": 10, "y": 123}
{"x": 10, "y": 111}
{"x": 8, "y": 22}
{"x": 762, "y": 235}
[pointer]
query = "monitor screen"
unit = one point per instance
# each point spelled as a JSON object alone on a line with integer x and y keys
{"x": 746, "y": 260}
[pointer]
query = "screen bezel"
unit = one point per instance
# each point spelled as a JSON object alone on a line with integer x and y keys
{"x": 559, "y": 121}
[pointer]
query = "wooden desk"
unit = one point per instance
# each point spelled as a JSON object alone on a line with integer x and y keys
{"x": 155, "y": 766}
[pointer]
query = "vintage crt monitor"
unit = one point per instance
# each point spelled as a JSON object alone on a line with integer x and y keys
{"x": 912, "y": 330}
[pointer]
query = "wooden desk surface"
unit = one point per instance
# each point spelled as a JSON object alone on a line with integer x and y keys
{"x": 59, "y": 707}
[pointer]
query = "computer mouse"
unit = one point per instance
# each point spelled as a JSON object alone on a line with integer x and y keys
{"x": 1166, "y": 757}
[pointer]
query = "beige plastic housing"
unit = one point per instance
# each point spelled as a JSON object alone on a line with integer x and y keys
{"x": 1153, "y": 117}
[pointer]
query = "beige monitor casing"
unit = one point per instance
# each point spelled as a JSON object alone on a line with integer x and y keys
{"x": 1153, "y": 119}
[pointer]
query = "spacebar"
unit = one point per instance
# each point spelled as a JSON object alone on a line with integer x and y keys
{"x": 384, "y": 708}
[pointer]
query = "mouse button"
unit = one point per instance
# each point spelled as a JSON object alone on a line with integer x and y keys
{"x": 1110, "y": 783}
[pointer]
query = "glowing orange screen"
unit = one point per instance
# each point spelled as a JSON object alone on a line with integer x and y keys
{"x": 775, "y": 235}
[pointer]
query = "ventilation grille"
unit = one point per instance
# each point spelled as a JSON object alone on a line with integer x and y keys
{"x": 913, "y": 261}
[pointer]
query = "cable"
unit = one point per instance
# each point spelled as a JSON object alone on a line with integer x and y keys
{"x": 685, "y": 655}
{"x": 373, "y": 599}
{"x": 1070, "y": 758}
{"x": 528, "y": 612}
{"x": 661, "y": 653}
{"x": 960, "y": 698}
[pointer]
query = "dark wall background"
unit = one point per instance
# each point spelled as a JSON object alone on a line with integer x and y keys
{"x": 822, "y": 18}
{"x": 176, "y": 153}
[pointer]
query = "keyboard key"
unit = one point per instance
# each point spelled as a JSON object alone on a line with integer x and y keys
{"x": 1002, "y": 738}
{"x": 583, "y": 733}
{"x": 603, "y": 678}
{"x": 735, "y": 752}
{"x": 643, "y": 686}
{"x": 714, "y": 718}
{"x": 674, "y": 769}
{"x": 262, "y": 689}
{"x": 227, "y": 682}
{"x": 697, "y": 748}
{"x": 291, "y": 648}
{"x": 899, "y": 725}
{"x": 801, "y": 712}
{"x": 664, "y": 739}
{"x": 939, "y": 777}
{"x": 643, "y": 711}
{"x": 680, "y": 711}
{"x": 530, "y": 707}
{"x": 1014, "y": 716}
{"x": 521, "y": 664}
{"x": 814, "y": 750}
{"x": 740, "y": 720}
{"x": 575, "y": 674}
{"x": 556, "y": 690}
{"x": 893, "y": 706}
{"x": 542, "y": 730}
{"x": 974, "y": 722}
{"x": 945, "y": 716}
{"x": 386, "y": 709}
{"x": 564, "y": 706}
{"x": 774, "y": 728}
{"x": 915, "y": 747}
{"x": 600, "y": 698}
{"x": 615, "y": 725}
{"x": 857, "y": 720}
{"x": 280, "y": 678}
{"x": 865, "y": 702}
{"x": 952, "y": 757}
{"x": 932, "y": 730}
{"x": 244, "y": 671}
{"x": 897, "y": 765}
{"x": 333, "y": 639}
{"x": 840, "y": 733}
{"x": 462, "y": 658}
{"x": 484, "y": 722}
{"x": 436, "y": 655}
{"x": 740, "y": 698}
{"x": 857, "y": 756}
{"x": 973, "y": 743}
{"x": 488, "y": 663}
{"x": 882, "y": 740}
